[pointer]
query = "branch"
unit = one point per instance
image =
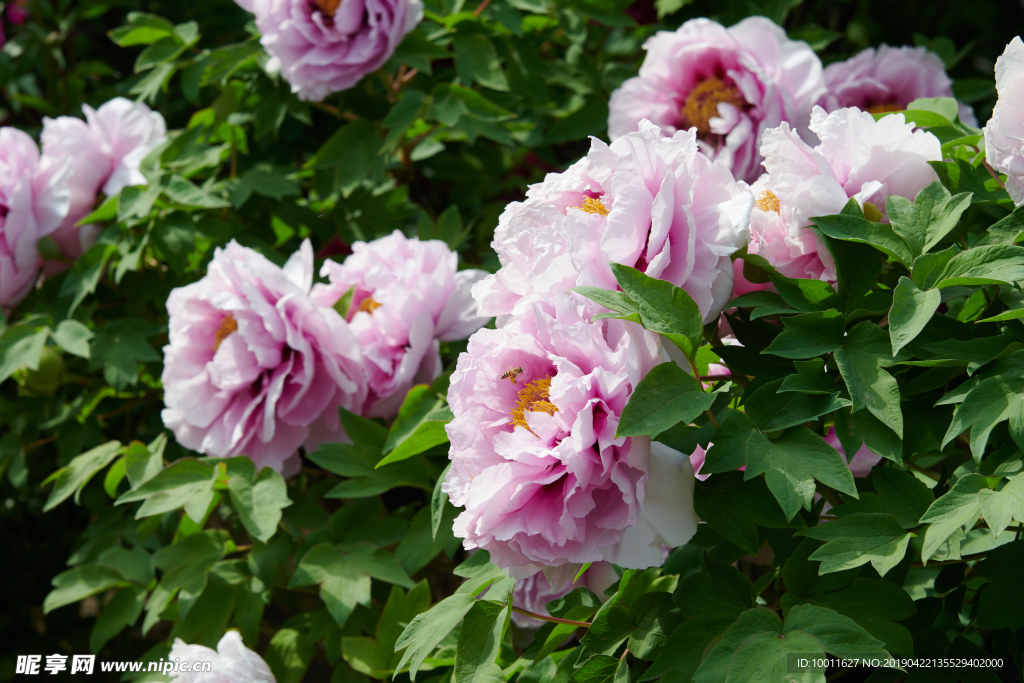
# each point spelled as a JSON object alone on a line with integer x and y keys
{"x": 965, "y": 558}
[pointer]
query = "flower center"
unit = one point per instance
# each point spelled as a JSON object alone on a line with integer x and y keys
{"x": 592, "y": 205}
{"x": 885, "y": 108}
{"x": 228, "y": 326}
{"x": 768, "y": 202}
{"x": 702, "y": 104}
{"x": 533, "y": 398}
{"x": 327, "y": 7}
{"x": 368, "y": 305}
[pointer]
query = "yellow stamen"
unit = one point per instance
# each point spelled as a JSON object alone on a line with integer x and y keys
{"x": 228, "y": 326}
{"x": 884, "y": 108}
{"x": 533, "y": 398}
{"x": 768, "y": 202}
{"x": 327, "y": 7}
{"x": 591, "y": 205}
{"x": 702, "y": 104}
{"x": 368, "y": 305}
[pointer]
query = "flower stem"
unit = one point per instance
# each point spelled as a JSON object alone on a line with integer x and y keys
{"x": 542, "y": 617}
{"x": 992, "y": 172}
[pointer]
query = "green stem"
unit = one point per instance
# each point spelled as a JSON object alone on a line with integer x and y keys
{"x": 696, "y": 375}
{"x": 542, "y": 617}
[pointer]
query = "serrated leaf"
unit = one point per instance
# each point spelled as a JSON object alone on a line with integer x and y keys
{"x": 857, "y": 539}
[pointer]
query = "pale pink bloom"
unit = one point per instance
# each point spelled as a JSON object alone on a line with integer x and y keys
{"x": 888, "y": 79}
{"x": 862, "y": 461}
{"x": 651, "y": 202}
{"x": 535, "y": 462}
{"x": 105, "y": 151}
{"x": 33, "y": 202}
{"x": 1004, "y": 132}
{"x": 730, "y": 84}
{"x": 408, "y": 297}
{"x": 326, "y": 46}
{"x": 253, "y": 366}
{"x": 535, "y": 592}
{"x": 857, "y": 158}
{"x": 231, "y": 662}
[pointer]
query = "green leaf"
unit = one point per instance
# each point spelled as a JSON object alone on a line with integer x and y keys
{"x": 428, "y": 629}
{"x": 1001, "y": 604}
{"x": 924, "y": 222}
{"x": 857, "y": 539}
{"x": 186, "y": 482}
{"x": 259, "y": 503}
{"x": 993, "y": 400}
{"x": 288, "y": 655}
{"x": 143, "y": 462}
{"x": 21, "y": 346}
{"x": 838, "y": 634}
{"x": 79, "y": 583}
{"x": 857, "y": 229}
{"x": 666, "y": 396}
{"x": 773, "y": 409}
{"x": 985, "y": 265}
{"x": 610, "y": 628}
{"x": 418, "y": 426}
{"x": 597, "y": 669}
{"x": 616, "y": 301}
{"x": 928, "y": 267}
{"x": 479, "y": 641}
{"x": 809, "y": 335}
{"x": 121, "y": 611}
{"x": 792, "y": 462}
{"x": 720, "y": 590}
{"x": 1000, "y": 508}
{"x": 730, "y": 505}
{"x": 946, "y": 516}
{"x": 400, "y": 609}
{"x": 185, "y": 194}
{"x": 899, "y": 494}
{"x": 810, "y": 378}
{"x": 78, "y": 472}
{"x": 663, "y": 307}
{"x": 477, "y": 60}
{"x": 73, "y": 337}
{"x": 866, "y": 351}
{"x": 367, "y": 435}
{"x": 752, "y": 649}
{"x": 911, "y": 311}
{"x": 654, "y": 618}
{"x": 437, "y": 500}
{"x": 806, "y": 295}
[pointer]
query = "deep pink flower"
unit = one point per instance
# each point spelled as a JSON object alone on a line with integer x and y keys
{"x": 647, "y": 201}
{"x": 231, "y": 662}
{"x": 17, "y": 13}
{"x": 535, "y": 592}
{"x": 1004, "y": 132}
{"x": 253, "y": 366}
{"x": 326, "y": 46}
{"x": 33, "y": 202}
{"x": 857, "y": 157}
{"x": 409, "y": 296}
{"x": 888, "y": 79}
{"x": 535, "y": 462}
{"x": 728, "y": 83}
{"x": 105, "y": 151}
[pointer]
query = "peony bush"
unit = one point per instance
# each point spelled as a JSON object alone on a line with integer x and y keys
{"x": 584, "y": 342}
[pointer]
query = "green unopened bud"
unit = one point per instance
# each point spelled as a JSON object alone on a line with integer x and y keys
{"x": 872, "y": 213}
{"x": 46, "y": 380}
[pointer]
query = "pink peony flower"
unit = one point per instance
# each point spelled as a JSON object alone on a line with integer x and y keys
{"x": 858, "y": 157}
{"x": 105, "y": 151}
{"x": 535, "y": 592}
{"x": 231, "y": 662}
{"x": 862, "y": 461}
{"x": 253, "y": 366}
{"x": 1004, "y": 132}
{"x": 535, "y": 461}
{"x": 17, "y": 12}
{"x": 408, "y": 297}
{"x": 654, "y": 203}
{"x": 33, "y": 202}
{"x": 326, "y": 46}
{"x": 730, "y": 84}
{"x": 888, "y": 79}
